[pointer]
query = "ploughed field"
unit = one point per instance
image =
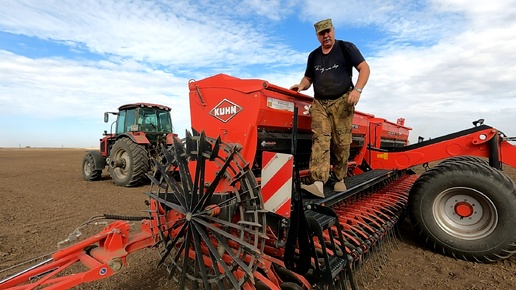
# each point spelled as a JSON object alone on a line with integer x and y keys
{"x": 44, "y": 198}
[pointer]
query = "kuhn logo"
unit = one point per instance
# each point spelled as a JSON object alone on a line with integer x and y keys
{"x": 225, "y": 110}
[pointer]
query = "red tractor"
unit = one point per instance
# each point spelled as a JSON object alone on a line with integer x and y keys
{"x": 127, "y": 151}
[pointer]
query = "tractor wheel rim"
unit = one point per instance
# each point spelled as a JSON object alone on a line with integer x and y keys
{"x": 87, "y": 168}
{"x": 123, "y": 156}
{"x": 465, "y": 213}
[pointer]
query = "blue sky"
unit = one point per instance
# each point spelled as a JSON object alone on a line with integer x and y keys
{"x": 439, "y": 64}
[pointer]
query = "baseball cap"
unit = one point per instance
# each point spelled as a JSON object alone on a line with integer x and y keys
{"x": 323, "y": 25}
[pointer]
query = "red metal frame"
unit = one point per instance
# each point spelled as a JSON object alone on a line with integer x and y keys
{"x": 468, "y": 144}
{"x": 103, "y": 254}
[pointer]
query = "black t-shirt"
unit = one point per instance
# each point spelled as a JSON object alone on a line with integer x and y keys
{"x": 330, "y": 72}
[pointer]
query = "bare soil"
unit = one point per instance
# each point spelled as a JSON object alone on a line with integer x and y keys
{"x": 44, "y": 198}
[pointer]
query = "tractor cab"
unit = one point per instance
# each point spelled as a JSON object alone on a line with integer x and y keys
{"x": 142, "y": 117}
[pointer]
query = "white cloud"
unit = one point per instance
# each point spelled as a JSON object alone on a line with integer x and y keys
{"x": 402, "y": 20}
{"x": 172, "y": 33}
{"x": 57, "y": 88}
{"x": 446, "y": 64}
{"x": 440, "y": 64}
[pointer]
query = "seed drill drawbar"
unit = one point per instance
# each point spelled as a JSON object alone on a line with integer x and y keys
{"x": 225, "y": 208}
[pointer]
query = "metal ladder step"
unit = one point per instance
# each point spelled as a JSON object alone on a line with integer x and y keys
{"x": 336, "y": 266}
{"x": 324, "y": 221}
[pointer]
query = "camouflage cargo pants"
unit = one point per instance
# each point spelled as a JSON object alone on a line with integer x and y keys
{"x": 332, "y": 122}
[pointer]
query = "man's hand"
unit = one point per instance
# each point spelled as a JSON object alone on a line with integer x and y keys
{"x": 303, "y": 85}
{"x": 307, "y": 110}
{"x": 353, "y": 97}
{"x": 296, "y": 88}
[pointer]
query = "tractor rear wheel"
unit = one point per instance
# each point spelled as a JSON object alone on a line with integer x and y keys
{"x": 466, "y": 210}
{"x": 465, "y": 158}
{"x": 209, "y": 226}
{"x": 128, "y": 163}
{"x": 89, "y": 173}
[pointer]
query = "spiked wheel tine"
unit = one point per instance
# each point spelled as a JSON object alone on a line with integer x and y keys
{"x": 236, "y": 226}
{"x": 198, "y": 184}
{"x": 168, "y": 157}
{"x": 174, "y": 185}
{"x": 182, "y": 279}
{"x": 215, "y": 183}
{"x": 167, "y": 203}
{"x": 215, "y": 150}
{"x": 168, "y": 182}
{"x": 240, "y": 175}
{"x": 191, "y": 145}
{"x": 215, "y": 253}
{"x": 236, "y": 259}
{"x": 161, "y": 172}
{"x": 173, "y": 266}
{"x": 236, "y": 239}
{"x": 172, "y": 245}
{"x": 213, "y": 261}
{"x": 199, "y": 257}
{"x": 178, "y": 192}
{"x": 204, "y": 146}
{"x": 194, "y": 132}
{"x": 153, "y": 177}
{"x": 184, "y": 171}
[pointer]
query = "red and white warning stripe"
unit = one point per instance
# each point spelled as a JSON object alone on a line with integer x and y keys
{"x": 276, "y": 182}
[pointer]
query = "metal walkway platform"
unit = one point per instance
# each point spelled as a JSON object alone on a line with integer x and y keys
{"x": 354, "y": 184}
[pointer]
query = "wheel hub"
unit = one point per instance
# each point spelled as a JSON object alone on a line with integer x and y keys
{"x": 463, "y": 209}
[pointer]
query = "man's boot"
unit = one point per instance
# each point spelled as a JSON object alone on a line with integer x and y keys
{"x": 315, "y": 188}
{"x": 339, "y": 186}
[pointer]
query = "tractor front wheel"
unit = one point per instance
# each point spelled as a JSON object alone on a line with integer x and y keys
{"x": 128, "y": 163}
{"x": 89, "y": 173}
{"x": 466, "y": 210}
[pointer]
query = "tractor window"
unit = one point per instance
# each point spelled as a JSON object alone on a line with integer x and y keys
{"x": 130, "y": 119}
{"x": 120, "y": 126}
{"x": 154, "y": 120}
{"x": 148, "y": 120}
{"x": 125, "y": 120}
{"x": 164, "y": 122}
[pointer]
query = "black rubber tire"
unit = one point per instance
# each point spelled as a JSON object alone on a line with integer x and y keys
{"x": 89, "y": 173}
{"x": 488, "y": 233}
{"x": 135, "y": 163}
{"x": 465, "y": 158}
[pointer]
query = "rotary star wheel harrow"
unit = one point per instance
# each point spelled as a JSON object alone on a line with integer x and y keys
{"x": 209, "y": 232}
